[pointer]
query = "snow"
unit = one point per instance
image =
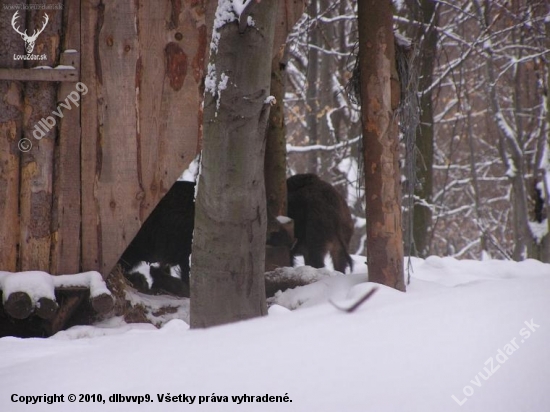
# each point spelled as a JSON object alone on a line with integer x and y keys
{"x": 224, "y": 14}
{"x": 41, "y": 284}
{"x": 91, "y": 280}
{"x": 214, "y": 87}
{"x": 156, "y": 313}
{"x": 350, "y": 168}
{"x": 271, "y": 100}
{"x": 222, "y": 85}
{"x": 539, "y": 230}
{"x": 511, "y": 171}
{"x": 398, "y": 4}
{"x": 402, "y": 40}
{"x": 283, "y": 219}
{"x": 466, "y": 332}
{"x": 190, "y": 174}
{"x": 210, "y": 80}
{"x": 239, "y": 6}
{"x": 36, "y": 284}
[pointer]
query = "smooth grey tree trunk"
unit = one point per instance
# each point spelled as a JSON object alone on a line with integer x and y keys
{"x": 227, "y": 282}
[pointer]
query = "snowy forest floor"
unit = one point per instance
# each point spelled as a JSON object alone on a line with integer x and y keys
{"x": 470, "y": 333}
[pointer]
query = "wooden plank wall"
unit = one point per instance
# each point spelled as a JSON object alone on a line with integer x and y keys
{"x": 83, "y": 191}
{"x": 11, "y": 129}
{"x": 66, "y": 228}
{"x": 36, "y": 190}
{"x": 143, "y": 63}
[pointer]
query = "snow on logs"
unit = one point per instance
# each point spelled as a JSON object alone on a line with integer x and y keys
{"x": 26, "y": 292}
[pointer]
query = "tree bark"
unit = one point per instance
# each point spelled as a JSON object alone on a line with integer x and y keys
{"x": 511, "y": 150}
{"x": 379, "y": 99}
{"x": 425, "y": 133}
{"x": 288, "y": 13}
{"x": 544, "y": 178}
{"x": 275, "y": 151}
{"x": 227, "y": 283}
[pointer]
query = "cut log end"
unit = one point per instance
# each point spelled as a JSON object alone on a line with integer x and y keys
{"x": 103, "y": 303}
{"x": 19, "y": 305}
{"x": 46, "y": 308}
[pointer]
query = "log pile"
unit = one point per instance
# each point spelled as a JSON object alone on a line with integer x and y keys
{"x": 50, "y": 299}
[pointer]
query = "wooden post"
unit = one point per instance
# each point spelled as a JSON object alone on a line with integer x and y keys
{"x": 11, "y": 122}
{"x": 65, "y": 251}
{"x": 37, "y": 164}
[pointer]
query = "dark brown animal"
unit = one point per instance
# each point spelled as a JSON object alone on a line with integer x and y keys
{"x": 322, "y": 222}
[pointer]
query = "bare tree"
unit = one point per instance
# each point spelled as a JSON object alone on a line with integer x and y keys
{"x": 323, "y": 124}
{"x": 275, "y": 153}
{"x": 490, "y": 129}
{"x": 425, "y": 13}
{"x": 379, "y": 99}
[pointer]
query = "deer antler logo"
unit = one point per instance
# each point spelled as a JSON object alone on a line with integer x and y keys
{"x": 29, "y": 40}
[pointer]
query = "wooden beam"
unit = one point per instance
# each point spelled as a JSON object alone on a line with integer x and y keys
{"x": 40, "y": 75}
{"x": 68, "y": 72}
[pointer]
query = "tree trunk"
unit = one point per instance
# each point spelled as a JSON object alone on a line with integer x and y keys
{"x": 425, "y": 133}
{"x": 275, "y": 152}
{"x": 312, "y": 98}
{"x": 544, "y": 178}
{"x": 379, "y": 99}
{"x": 227, "y": 283}
{"x": 512, "y": 154}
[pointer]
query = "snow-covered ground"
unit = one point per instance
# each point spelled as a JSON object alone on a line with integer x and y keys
{"x": 467, "y": 336}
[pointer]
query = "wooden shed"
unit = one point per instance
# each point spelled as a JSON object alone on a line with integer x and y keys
{"x": 122, "y": 94}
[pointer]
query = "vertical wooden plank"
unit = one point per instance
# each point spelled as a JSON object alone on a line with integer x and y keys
{"x": 65, "y": 252}
{"x": 172, "y": 47}
{"x": 118, "y": 192}
{"x": 91, "y": 23}
{"x": 37, "y": 164}
{"x": 11, "y": 121}
{"x": 143, "y": 64}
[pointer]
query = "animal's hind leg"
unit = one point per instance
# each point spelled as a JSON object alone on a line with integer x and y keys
{"x": 339, "y": 259}
{"x": 314, "y": 256}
